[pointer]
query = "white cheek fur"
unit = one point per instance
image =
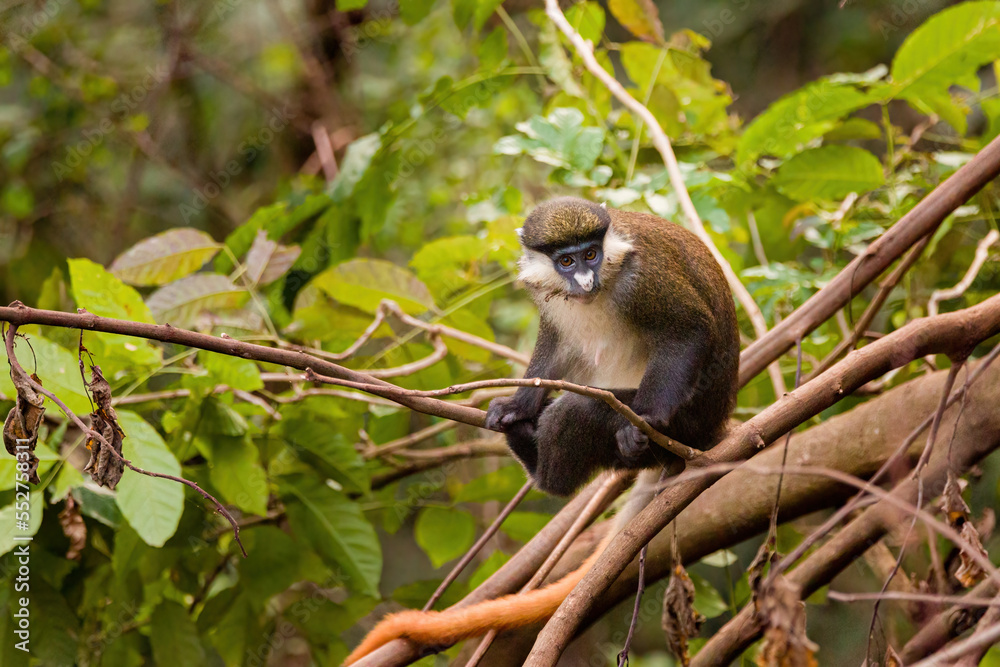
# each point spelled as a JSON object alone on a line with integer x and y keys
{"x": 536, "y": 271}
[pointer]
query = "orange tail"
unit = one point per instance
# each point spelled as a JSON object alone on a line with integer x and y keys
{"x": 443, "y": 628}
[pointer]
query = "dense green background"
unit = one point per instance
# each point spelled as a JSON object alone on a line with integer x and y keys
{"x": 448, "y": 121}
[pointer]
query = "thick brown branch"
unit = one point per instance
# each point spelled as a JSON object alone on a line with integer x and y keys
{"x": 952, "y": 334}
{"x": 921, "y": 221}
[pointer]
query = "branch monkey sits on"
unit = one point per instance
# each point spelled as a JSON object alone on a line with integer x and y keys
{"x": 628, "y": 302}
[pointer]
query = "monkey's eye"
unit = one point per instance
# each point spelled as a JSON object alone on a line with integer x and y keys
{"x": 566, "y": 261}
{"x": 591, "y": 255}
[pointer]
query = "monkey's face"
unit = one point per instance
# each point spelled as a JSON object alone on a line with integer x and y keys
{"x": 579, "y": 265}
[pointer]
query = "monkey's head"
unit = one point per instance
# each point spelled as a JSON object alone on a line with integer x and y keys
{"x": 568, "y": 243}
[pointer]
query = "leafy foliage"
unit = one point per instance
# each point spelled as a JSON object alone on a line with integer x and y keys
{"x": 445, "y": 127}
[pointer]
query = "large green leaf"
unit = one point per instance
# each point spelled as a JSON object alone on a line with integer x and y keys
{"x": 102, "y": 293}
{"x": 174, "y": 636}
{"x": 945, "y": 50}
{"x": 335, "y": 527}
{"x": 444, "y": 533}
{"x": 829, "y": 172}
{"x": 798, "y": 118}
{"x": 272, "y": 564}
{"x": 318, "y": 444}
{"x": 151, "y": 505}
{"x": 160, "y": 259}
{"x": 180, "y": 303}
{"x": 232, "y": 371}
{"x": 237, "y": 473}
{"x": 363, "y": 283}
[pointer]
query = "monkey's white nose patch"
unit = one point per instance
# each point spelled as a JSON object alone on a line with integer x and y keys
{"x": 585, "y": 280}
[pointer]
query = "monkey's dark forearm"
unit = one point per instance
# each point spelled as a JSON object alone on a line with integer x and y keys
{"x": 669, "y": 380}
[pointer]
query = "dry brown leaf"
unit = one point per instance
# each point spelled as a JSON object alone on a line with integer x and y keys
{"x": 20, "y": 429}
{"x": 681, "y": 621}
{"x": 74, "y": 528}
{"x": 783, "y": 614}
{"x": 104, "y": 466}
{"x": 969, "y": 572}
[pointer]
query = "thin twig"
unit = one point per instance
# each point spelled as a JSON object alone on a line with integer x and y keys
{"x": 612, "y": 486}
{"x": 982, "y": 253}
{"x": 477, "y": 547}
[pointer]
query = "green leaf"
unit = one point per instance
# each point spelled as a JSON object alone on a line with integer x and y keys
{"x": 484, "y": 10}
{"x": 55, "y": 366}
{"x": 348, "y": 5}
{"x": 180, "y": 303}
{"x": 165, "y": 257}
{"x": 487, "y": 568}
{"x": 444, "y": 533}
{"x": 829, "y": 172}
{"x": 947, "y": 49}
{"x": 414, "y": 11}
{"x": 640, "y": 17}
{"x": 232, "y": 371}
{"x": 317, "y": 443}
{"x": 103, "y": 294}
{"x": 707, "y": 600}
{"x": 500, "y": 484}
{"x": 448, "y": 265}
{"x": 493, "y": 50}
{"x": 334, "y": 526}
{"x": 721, "y": 558}
{"x": 174, "y": 636}
{"x": 522, "y": 526}
{"x": 272, "y": 563}
{"x": 276, "y": 219}
{"x": 235, "y": 470}
{"x": 559, "y": 139}
{"x": 798, "y": 118}
{"x": 152, "y": 506}
{"x": 355, "y": 163}
{"x": 54, "y": 639}
{"x": 363, "y": 283}
{"x": 588, "y": 19}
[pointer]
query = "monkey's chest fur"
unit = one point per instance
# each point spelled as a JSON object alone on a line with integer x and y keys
{"x": 599, "y": 348}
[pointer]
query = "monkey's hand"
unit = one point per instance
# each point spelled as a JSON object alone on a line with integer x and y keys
{"x": 632, "y": 443}
{"x": 506, "y": 411}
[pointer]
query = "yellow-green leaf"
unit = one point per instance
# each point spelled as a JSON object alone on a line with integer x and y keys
{"x": 165, "y": 257}
{"x": 640, "y": 17}
{"x": 363, "y": 283}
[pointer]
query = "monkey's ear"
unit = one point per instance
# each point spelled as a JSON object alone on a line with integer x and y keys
{"x": 520, "y": 232}
{"x": 604, "y": 204}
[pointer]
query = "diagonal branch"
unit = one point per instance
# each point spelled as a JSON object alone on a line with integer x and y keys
{"x": 954, "y": 333}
